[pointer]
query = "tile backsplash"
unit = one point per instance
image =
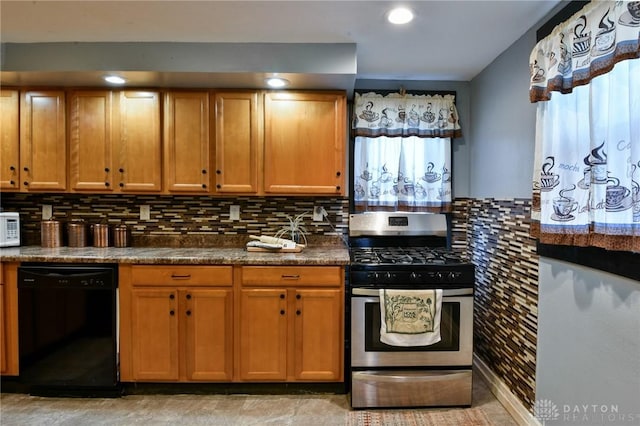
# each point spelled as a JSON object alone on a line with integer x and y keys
{"x": 175, "y": 220}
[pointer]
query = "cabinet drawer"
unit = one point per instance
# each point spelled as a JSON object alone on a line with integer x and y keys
{"x": 181, "y": 275}
{"x": 294, "y": 275}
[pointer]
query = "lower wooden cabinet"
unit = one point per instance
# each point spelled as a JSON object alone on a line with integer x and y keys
{"x": 9, "y": 319}
{"x": 176, "y": 323}
{"x": 291, "y": 324}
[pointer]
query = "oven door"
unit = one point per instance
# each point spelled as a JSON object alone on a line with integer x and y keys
{"x": 455, "y": 348}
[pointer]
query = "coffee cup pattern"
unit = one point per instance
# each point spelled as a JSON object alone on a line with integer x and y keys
{"x": 605, "y": 39}
{"x": 548, "y": 179}
{"x": 581, "y": 39}
{"x": 631, "y": 17}
{"x": 564, "y": 205}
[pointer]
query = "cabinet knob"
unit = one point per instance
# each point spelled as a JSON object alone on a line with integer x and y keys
{"x": 172, "y": 312}
{"x": 12, "y": 182}
{"x": 106, "y": 184}
{"x": 204, "y": 185}
{"x": 12, "y": 168}
{"x": 298, "y": 297}
{"x": 106, "y": 169}
{"x": 337, "y": 188}
{"x": 121, "y": 170}
{"x": 282, "y": 296}
{"x": 26, "y": 169}
{"x": 338, "y": 173}
{"x": 282, "y": 312}
{"x": 298, "y": 312}
{"x": 121, "y": 184}
{"x": 218, "y": 172}
{"x": 172, "y": 296}
{"x": 204, "y": 172}
{"x": 218, "y": 186}
{"x": 188, "y": 297}
{"x": 25, "y": 183}
{"x": 188, "y": 313}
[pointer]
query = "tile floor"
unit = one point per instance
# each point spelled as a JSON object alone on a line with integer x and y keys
{"x": 307, "y": 410}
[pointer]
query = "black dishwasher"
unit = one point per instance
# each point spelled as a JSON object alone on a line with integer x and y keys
{"x": 68, "y": 329}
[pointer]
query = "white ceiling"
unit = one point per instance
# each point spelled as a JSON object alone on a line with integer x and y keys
{"x": 448, "y": 40}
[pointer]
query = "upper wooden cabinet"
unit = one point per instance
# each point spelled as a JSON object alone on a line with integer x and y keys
{"x": 91, "y": 150}
{"x": 238, "y": 142}
{"x": 304, "y": 142}
{"x": 186, "y": 142}
{"x": 43, "y": 153}
{"x": 139, "y": 155}
{"x": 9, "y": 140}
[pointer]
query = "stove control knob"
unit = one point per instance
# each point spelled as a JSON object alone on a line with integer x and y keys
{"x": 452, "y": 276}
{"x": 373, "y": 276}
{"x": 389, "y": 276}
{"x": 439, "y": 276}
{"x": 413, "y": 276}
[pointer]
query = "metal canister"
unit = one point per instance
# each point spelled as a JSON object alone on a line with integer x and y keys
{"x": 77, "y": 233}
{"x": 121, "y": 236}
{"x": 50, "y": 233}
{"x": 100, "y": 234}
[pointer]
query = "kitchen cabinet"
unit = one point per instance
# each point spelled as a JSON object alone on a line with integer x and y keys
{"x": 91, "y": 142}
{"x": 139, "y": 142}
{"x": 186, "y": 142}
{"x": 304, "y": 142}
{"x": 176, "y": 323}
{"x": 238, "y": 141}
{"x": 9, "y": 319}
{"x": 9, "y": 140}
{"x": 291, "y": 323}
{"x": 43, "y": 153}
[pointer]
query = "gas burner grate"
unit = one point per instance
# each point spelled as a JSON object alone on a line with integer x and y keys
{"x": 404, "y": 256}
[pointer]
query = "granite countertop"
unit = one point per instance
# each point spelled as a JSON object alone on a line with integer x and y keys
{"x": 321, "y": 255}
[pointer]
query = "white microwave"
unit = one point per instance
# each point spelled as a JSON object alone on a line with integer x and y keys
{"x": 9, "y": 229}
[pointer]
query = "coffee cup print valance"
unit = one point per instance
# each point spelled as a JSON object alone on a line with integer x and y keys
{"x": 588, "y": 44}
{"x": 398, "y": 115}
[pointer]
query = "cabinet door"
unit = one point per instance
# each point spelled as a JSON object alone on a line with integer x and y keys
{"x": 304, "y": 143}
{"x": 9, "y": 140}
{"x": 238, "y": 142}
{"x": 43, "y": 141}
{"x": 154, "y": 334}
{"x": 140, "y": 146}
{"x": 263, "y": 334}
{"x": 186, "y": 142}
{"x": 90, "y": 141}
{"x": 209, "y": 331}
{"x": 9, "y": 319}
{"x": 318, "y": 339}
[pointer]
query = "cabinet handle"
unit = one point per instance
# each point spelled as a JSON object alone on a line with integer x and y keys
{"x": 106, "y": 184}
{"x": 337, "y": 188}
{"x": 25, "y": 183}
{"x": 290, "y": 277}
{"x": 218, "y": 172}
{"x": 12, "y": 168}
{"x": 121, "y": 184}
{"x": 188, "y": 313}
{"x": 12, "y": 182}
{"x": 298, "y": 297}
{"x": 338, "y": 174}
{"x": 172, "y": 296}
{"x": 26, "y": 169}
{"x": 298, "y": 312}
{"x": 282, "y": 312}
{"x": 282, "y": 296}
{"x": 218, "y": 186}
{"x": 204, "y": 172}
{"x": 204, "y": 185}
{"x": 106, "y": 169}
{"x": 121, "y": 170}
{"x": 180, "y": 277}
{"x": 188, "y": 297}
{"x": 172, "y": 312}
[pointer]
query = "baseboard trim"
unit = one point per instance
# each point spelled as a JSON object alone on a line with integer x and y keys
{"x": 503, "y": 394}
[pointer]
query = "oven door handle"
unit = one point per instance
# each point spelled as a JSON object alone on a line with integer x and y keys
{"x": 356, "y": 291}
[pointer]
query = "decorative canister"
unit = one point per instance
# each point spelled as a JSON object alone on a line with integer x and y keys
{"x": 77, "y": 233}
{"x": 121, "y": 236}
{"x": 100, "y": 234}
{"x": 50, "y": 233}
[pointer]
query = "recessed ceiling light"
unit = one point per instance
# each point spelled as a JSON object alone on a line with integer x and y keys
{"x": 277, "y": 82}
{"x": 114, "y": 79}
{"x": 400, "y": 15}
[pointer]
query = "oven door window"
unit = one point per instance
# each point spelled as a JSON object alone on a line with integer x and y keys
{"x": 449, "y": 331}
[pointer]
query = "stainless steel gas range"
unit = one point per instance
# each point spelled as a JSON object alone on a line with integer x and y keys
{"x": 408, "y": 251}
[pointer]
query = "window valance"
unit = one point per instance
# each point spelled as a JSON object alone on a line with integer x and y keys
{"x": 398, "y": 115}
{"x": 588, "y": 44}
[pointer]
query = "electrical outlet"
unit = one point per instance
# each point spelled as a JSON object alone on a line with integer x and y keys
{"x": 145, "y": 212}
{"x": 318, "y": 213}
{"x": 234, "y": 213}
{"x": 47, "y": 211}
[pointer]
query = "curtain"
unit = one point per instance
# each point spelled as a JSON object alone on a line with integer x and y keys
{"x": 586, "y": 183}
{"x": 402, "y": 152}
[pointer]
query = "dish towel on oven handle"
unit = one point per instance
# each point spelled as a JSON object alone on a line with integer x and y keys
{"x": 410, "y": 317}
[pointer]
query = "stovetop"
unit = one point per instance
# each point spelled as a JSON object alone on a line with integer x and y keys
{"x": 394, "y": 256}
